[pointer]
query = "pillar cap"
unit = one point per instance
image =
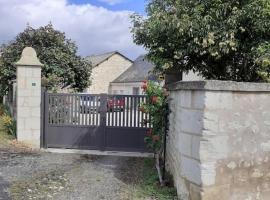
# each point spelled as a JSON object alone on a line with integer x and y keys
{"x": 29, "y": 58}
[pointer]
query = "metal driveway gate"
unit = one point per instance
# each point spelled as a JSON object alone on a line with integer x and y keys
{"x": 96, "y": 122}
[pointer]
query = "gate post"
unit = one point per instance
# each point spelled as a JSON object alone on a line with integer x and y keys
{"x": 103, "y": 115}
{"x": 29, "y": 98}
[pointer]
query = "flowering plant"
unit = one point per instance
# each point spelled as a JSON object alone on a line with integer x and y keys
{"x": 156, "y": 106}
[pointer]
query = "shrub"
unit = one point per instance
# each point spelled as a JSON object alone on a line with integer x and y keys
{"x": 156, "y": 106}
{"x": 9, "y": 124}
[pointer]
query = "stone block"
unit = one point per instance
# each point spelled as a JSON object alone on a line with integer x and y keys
{"x": 35, "y": 112}
{"x": 191, "y": 170}
{"x": 23, "y": 112}
{"x": 208, "y": 173}
{"x": 36, "y": 73}
{"x": 198, "y": 100}
{"x": 184, "y": 144}
{"x": 185, "y": 99}
{"x": 218, "y": 100}
{"x": 32, "y": 123}
{"x": 195, "y": 147}
{"x": 191, "y": 121}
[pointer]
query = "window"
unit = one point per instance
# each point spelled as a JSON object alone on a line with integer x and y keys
{"x": 135, "y": 90}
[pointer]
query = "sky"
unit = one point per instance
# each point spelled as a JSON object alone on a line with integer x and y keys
{"x": 97, "y": 26}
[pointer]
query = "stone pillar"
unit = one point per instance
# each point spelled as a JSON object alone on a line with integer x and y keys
{"x": 29, "y": 98}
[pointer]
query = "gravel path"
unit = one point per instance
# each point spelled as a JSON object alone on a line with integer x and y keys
{"x": 37, "y": 175}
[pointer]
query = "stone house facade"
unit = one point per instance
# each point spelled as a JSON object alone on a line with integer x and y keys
{"x": 130, "y": 82}
{"x": 106, "y": 68}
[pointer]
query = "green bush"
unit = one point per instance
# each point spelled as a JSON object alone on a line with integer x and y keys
{"x": 9, "y": 123}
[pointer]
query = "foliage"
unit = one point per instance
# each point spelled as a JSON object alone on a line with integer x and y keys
{"x": 62, "y": 65}
{"x": 9, "y": 123}
{"x": 220, "y": 39}
{"x": 156, "y": 106}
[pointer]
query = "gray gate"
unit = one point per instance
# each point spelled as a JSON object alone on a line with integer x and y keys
{"x": 95, "y": 122}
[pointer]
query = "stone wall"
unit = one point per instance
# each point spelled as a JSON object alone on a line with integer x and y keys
{"x": 106, "y": 72}
{"x": 219, "y": 140}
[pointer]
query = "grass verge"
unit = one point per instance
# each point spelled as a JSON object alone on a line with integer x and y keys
{"x": 144, "y": 183}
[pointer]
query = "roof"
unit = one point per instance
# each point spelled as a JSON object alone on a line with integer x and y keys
{"x": 95, "y": 60}
{"x": 137, "y": 72}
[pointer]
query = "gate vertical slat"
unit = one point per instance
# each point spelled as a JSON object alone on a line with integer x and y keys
{"x": 112, "y": 110}
{"x": 109, "y": 115}
{"x": 131, "y": 111}
{"x": 55, "y": 109}
{"x": 135, "y": 111}
{"x": 82, "y": 110}
{"x": 53, "y": 112}
{"x": 59, "y": 110}
{"x": 75, "y": 109}
{"x": 89, "y": 110}
{"x": 72, "y": 112}
{"x": 79, "y": 114}
{"x": 64, "y": 109}
{"x": 92, "y": 110}
{"x": 86, "y": 110}
{"x": 116, "y": 113}
{"x": 49, "y": 108}
{"x": 95, "y": 111}
{"x": 139, "y": 112}
{"x": 120, "y": 114}
{"x": 124, "y": 111}
{"x": 127, "y": 107}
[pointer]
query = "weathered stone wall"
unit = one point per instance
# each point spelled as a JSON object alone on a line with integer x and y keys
{"x": 29, "y": 98}
{"x": 106, "y": 72}
{"x": 219, "y": 140}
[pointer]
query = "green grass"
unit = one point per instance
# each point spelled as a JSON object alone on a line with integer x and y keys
{"x": 148, "y": 186}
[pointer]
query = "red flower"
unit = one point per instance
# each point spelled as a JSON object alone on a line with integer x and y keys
{"x": 155, "y": 138}
{"x": 144, "y": 86}
{"x": 142, "y": 109}
{"x": 154, "y": 99}
{"x": 149, "y": 132}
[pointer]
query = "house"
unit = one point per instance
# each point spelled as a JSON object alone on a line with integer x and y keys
{"x": 130, "y": 81}
{"x": 106, "y": 68}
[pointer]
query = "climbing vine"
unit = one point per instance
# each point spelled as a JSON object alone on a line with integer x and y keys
{"x": 156, "y": 106}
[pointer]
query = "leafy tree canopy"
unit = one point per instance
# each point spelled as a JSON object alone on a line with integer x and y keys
{"x": 62, "y": 66}
{"x": 220, "y": 39}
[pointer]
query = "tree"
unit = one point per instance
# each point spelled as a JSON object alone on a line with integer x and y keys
{"x": 62, "y": 66}
{"x": 220, "y": 39}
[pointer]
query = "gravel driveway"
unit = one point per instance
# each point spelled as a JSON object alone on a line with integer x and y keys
{"x": 39, "y": 175}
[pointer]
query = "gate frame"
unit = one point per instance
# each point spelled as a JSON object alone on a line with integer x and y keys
{"x": 103, "y": 127}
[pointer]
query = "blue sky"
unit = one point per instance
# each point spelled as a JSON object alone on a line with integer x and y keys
{"x": 132, "y": 5}
{"x": 96, "y": 26}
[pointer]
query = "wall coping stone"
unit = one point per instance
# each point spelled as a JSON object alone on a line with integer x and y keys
{"x": 29, "y": 58}
{"x": 216, "y": 85}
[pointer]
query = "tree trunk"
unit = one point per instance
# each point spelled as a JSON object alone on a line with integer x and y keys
{"x": 159, "y": 170}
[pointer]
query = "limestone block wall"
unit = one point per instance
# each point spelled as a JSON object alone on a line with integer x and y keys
{"x": 219, "y": 140}
{"x": 106, "y": 72}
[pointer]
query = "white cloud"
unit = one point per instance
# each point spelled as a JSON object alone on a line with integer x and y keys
{"x": 112, "y": 2}
{"x": 94, "y": 29}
